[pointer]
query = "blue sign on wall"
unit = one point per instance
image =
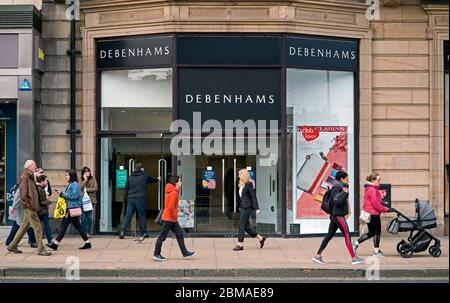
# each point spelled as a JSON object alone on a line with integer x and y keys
{"x": 25, "y": 85}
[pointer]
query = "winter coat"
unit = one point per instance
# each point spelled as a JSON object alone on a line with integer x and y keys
{"x": 136, "y": 185}
{"x": 43, "y": 201}
{"x": 372, "y": 200}
{"x": 339, "y": 200}
{"x": 170, "y": 212}
{"x": 29, "y": 195}
{"x": 91, "y": 188}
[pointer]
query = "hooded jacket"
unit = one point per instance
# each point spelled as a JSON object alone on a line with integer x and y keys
{"x": 372, "y": 200}
{"x": 170, "y": 212}
{"x": 340, "y": 199}
{"x": 136, "y": 186}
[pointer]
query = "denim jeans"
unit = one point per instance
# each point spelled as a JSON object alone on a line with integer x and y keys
{"x": 13, "y": 232}
{"x": 47, "y": 229}
{"x": 86, "y": 221}
{"x": 139, "y": 206}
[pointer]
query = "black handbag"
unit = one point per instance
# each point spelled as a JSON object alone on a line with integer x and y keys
{"x": 158, "y": 219}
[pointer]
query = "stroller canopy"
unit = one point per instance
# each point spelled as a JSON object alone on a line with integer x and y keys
{"x": 425, "y": 212}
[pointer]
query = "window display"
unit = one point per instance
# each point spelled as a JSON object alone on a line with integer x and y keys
{"x": 320, "y": 117}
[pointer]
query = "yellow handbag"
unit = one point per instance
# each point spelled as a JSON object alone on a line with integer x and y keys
{"x": 60, "y": 209}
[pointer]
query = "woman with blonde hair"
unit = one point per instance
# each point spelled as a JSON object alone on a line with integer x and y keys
{"x": 248, "y": 204}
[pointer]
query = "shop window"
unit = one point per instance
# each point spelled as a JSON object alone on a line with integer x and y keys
{"x": 136, "y": 99}
{"x": 321, "y": 140}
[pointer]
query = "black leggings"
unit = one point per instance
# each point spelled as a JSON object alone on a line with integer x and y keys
{"x": 336, "y": 223}
{"x": 374, "y": 231}
{"x": 65, "y": 224}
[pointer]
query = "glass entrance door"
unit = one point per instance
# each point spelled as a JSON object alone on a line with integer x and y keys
{"x": 119, "y": 155}
{"x": 211, "y": 183}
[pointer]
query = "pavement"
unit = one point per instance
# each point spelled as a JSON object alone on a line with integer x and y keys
{"x": 288, "y": 259}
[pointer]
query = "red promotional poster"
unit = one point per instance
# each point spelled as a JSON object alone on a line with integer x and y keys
{"x": 321, "y": 153}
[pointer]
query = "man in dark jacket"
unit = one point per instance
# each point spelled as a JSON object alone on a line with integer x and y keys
{"x": 29, "y": 198}
{"x": 136, "y": 195}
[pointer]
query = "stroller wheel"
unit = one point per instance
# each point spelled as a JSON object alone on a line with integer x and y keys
{"x": 435, "y": 251}
{"x": 406, "y": 250}
{"x": 399, "y": 245}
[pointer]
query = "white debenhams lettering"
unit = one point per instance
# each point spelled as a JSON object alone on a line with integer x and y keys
{"x": 194, "y": 293}
{"x": 322, "y": 53}
{"x": 135, "y": 52}
{"x": 229, "y": 99}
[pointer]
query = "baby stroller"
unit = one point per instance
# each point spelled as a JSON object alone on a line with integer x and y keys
{"x": 424, "y": 219}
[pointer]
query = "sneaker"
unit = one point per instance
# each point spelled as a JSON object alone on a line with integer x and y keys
{"x": 44, "y": 253}
{"x": 238, "y": 248}
{"x": 354, "y": 246}
{"x": 14, "y": 250}
{"x": 318, "y": 260}
{"x": 85, "y": 246}
{"x": 33, "y": 245}
{"x": 53, "y": 246}
{"x": 262, "y": 242}
{"x": 146, "y": 236}
{"x": 122, "y": 235}
{"x": 89, "y": 236}
{"x": 379, "y": 254}
{"x": 189, "y": 253}
{"x": 159, "y": 258}
{"x": 357, "y": 260}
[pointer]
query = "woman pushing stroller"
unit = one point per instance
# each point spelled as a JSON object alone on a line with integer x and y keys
{"x": 373, "y": 206}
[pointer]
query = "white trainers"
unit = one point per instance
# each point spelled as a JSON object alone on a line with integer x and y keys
{"x": 318, "y": 260}
{"x": 379, "y": 254}
{"x": 357, "y": 261}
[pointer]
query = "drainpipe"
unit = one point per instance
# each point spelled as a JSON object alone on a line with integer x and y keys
{"x": 72, "y": 52}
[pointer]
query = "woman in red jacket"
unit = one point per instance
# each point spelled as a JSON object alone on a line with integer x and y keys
{"x": 170, "y": 220}
{"x": 372, "y": 205}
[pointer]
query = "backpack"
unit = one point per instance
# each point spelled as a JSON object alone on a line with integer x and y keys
{"x": 327, "y": 202}
{"x": 11, "y": 193}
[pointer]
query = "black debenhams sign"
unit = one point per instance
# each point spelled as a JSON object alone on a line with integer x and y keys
{"x": 236, "y": 50}
{"x": 134, "y": 52}
{"x": 225, "y": 94}
{"x": 322, "y": 53}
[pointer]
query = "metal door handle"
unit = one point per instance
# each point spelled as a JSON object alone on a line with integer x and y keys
{"x": 234, "y": 183}
{"x": 223, "y": 186}
{"x": 162, "y": 173}
{"x": 130, "y": 166}
{"x": 270, "y": 183}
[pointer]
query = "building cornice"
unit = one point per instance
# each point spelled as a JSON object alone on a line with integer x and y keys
{"x": 108, "y": 5}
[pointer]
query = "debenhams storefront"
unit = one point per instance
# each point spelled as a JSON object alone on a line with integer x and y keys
{"x": 295, "y": 95}
{"x": 298, "y": 87}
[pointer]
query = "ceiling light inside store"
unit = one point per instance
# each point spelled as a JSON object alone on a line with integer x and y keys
{"x": 159, "y": 73}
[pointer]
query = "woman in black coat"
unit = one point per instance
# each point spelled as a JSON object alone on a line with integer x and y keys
{"x": 248, "y": 204}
